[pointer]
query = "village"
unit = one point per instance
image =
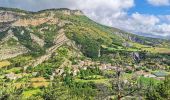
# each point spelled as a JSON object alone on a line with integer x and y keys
{"x": 88, "y": 63}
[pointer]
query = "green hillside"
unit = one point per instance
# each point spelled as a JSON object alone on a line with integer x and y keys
{"x": 61, "y": 53}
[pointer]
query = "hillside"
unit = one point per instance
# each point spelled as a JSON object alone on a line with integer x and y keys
{"x": 42, "y": 27}
{"x": 36, "y": 47}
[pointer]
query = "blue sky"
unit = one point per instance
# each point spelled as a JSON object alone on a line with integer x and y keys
{"x": 144, "y": 17}
{"x": 143, "y": 7}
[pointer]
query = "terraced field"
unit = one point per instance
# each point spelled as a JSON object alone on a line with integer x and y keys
{"x": 4, "y": 64}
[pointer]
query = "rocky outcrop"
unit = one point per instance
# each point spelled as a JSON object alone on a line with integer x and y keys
{"x": 63, "y": 23}
{"x": 11, "y": 51}
{"x": 136, "y": 56}
{"x": 72, "y": 12}
{"x": 35, "y": 22}
{"x": 8, "y": 36}
{"x": 36, "y": 39}
{"x": 8, "y": 16}
{"x": 135, "y": 39}
{"x": 78, "y": 12}
{"x": 126, "y": 44}
{"x": 60, "y": 37}
{"x": 129, "y": 37}
{"x": 59, "y": 41}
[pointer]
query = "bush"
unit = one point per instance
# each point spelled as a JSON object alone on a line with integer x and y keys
{"x": 84, "y": 74}
{"x": 160, "y": 91}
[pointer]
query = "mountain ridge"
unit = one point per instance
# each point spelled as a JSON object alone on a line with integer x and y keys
{"x": 64, "y": 9}
{"x": 44, "y": 25}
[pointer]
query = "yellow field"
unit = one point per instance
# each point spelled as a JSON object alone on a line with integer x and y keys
{"x": 29, "y": 93}
{"x": 39, "y": 82}
{"x": 158, "y": 50}
{"x": 152, "y": 49}
{"x": 38, "y": 79}
{"x": 4, "y": 64}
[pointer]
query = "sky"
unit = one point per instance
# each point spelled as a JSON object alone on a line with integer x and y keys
{"x": 143, "y": 17}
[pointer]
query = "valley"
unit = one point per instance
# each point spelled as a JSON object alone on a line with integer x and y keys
{"x": 60, "y": 54}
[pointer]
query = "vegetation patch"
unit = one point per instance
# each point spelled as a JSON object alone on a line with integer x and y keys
{"x": 28, "y": 93}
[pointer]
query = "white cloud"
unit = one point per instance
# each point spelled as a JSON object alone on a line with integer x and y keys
{"x": 149, "y": 25}
{"x": 159, "y": 2}
{"x": 145, "y": 19}
{"x": 103, "y": 4}
{"x": 104, "y": 12}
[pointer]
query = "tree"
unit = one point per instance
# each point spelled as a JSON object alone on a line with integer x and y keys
{"x": 160, "y": 91}
{"x": 100, "y": 41}
{"x": 151, "y": 93}
{"x": 124, "y": 88}
{"x": 55, "y": 91}
{"x": 9, "y": 91}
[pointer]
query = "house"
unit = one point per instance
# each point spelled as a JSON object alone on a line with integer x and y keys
{"x": 150, "y": 76}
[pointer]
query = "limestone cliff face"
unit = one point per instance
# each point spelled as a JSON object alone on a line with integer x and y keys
{"x": 34, "y": 22}
{"x": 78, "y": 12}
{"x": 12, "y": 20}
{"x": 26, "y": 19}
{"x": 7, "y": 50}
{"x": 8, "y": 16}
{"x": 36, "y": 39}
{"x": 71, "y": 12}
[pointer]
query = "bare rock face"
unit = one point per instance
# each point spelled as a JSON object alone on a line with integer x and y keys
{"x": 35, "y": 22}
{"x": 66, "y": 12}
{"x": 37, "y": 40}
{"x": 11, "y": 20}
{"x": 61, "y": 37}
{"x": 7, "y": 16}
{"x": 10, "y": 51}
{"x": 126, "y": 44}
{"x": 78, "y": 12}
{"x": 136, "y": 56}
{"x": 63, "y": 22}
{"x": 8, "y": 36}
{"x": 72, "y": 12}
{"x": 60, "y": 40}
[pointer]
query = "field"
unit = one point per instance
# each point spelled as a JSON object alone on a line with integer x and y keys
{"x": 39, "y": 82}
{"x": 4, "y": 64}
{"x": 103, "y": 81}
{"x": 151, "y": 49}
{"x": 29, "y": 93}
